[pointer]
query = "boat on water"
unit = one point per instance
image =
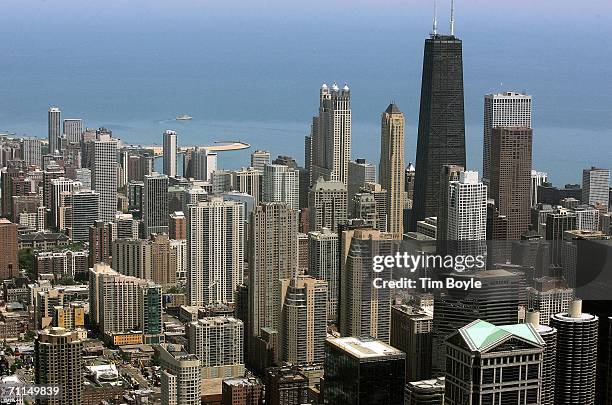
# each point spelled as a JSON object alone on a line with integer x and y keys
{"x": 184, "y": 117}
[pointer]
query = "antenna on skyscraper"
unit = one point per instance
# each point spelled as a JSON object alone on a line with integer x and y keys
{"x": 435, "y": 18}
{"x": 452, "y": 18}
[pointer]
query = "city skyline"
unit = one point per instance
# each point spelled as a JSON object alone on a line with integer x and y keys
{"x": 217, "y": 222}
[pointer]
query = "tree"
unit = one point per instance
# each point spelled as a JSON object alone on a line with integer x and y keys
{"x": 26, "y": 262}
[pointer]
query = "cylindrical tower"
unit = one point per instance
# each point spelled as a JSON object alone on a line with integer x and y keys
{"x": 576, "y": 356}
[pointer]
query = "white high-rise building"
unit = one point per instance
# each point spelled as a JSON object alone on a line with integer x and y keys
{"x": 323, "y": 264}
{"x": 31, "y": 151}
{"x": 587, "y": 218}
{"x": 596, "y": 188}
{"x": 330, "y": 147}
{"x": 467, "y": 213}
{"x": 155, "y": 213}
{"x": 169, "y": 151}
{"x": 282, "y": 184}
{"x": 248, "y": 180}
{"x": 215, "y": 251}
{"x": 509, "y": 109}
{"x": 218, "y": 343}
{"x": 104, "y": 176}
{"x": 59, "y": 186}
{"x": 181, "y": 378}
{"x": 73, "y": 129}
{"x": 259, "y": 159}
{"x": 54, "y": 127}
{"x": 204, "y": 163}
{"x": 537, "y": 179}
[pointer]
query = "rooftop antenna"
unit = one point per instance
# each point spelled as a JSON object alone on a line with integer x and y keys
{"x": 435, "y": 18}
{"x": 452, "y": 18}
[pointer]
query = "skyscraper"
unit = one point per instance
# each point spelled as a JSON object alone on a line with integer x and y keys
{"x": 203, "y": 164}
{"x": 9, "y": 264}
{"x": 304, "y": 320}
{"x": 104, "y": 176}
{"x": 281, "y": 184}
{"x": 248, "y": 180}
{"x": 58, "y": 362}
{"x": 54, "y": 127}
{"x": 448, "y": 175}
{"x": 391, "y": 173}
{"x": 360, "y": 173}
{"x": 323, "y": 264}
{"x": 480, "y": 353}
{"x": 73, "y": 129}
{"x": 327, "y": 204}
{"x": 217, "y": 342}
{"x": 84, "y": 206}
{"x": 169, "y": 150}
{"x": 100, "y": 242}
{"x": 411, "y": 333}
{"x": 259, "y": 159}
{"x": 576, "y": 355}
{"x": 273, "y": 256}
{"x": 331, "y": 135}
{"x": 509, "y": 109}
{"x": 596, "y": 188}
{"x": 181, "y": 378}
{"x": 510, "y": 180}
{"x": 537, "y": 179}
{"x": 364, "y": 309}
{"x": 215, "y": 251}
{"x": 496, "y": 302}
{"x": 467, "y": 216}
{"x": 354, "y": 370}
{"x": 155, "y": 213}
{"x": 441, "y": 137}
{"x": 31, "y": 151}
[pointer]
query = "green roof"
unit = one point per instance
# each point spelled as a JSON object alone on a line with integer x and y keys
{"x": 481, "y": 334}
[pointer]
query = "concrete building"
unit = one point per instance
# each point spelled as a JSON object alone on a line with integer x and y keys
{"x": 104, "y": 176}
{"x": 327, "y": 204}
{"x": 218, "y": 343}
{"x": 480, "y": 354}
{"x": 360, "y": 173}
{"x": 323, "y": 265}
{"x": 576, "y": 355}
{"x": 537, "y": 179}
{"x": 248, "y": 180}
{"x": 31, "y": 151}
{"x": 353, "y": 370}
{"x": 155, "y": 213}
{"x": 58, "y": 362}
{"x": 411, "y": 333}
{"x": 509, "y": 109}
{"x": 330, "y": 149}
{"x": 304, "y": 320}
{"x": 391, "y": 173}
{"x": 73, "y": 129}
{"x": 169, "y": 151}
{"x": 9, "y": 263}
{"x": 181, "y": 380}
{"x": 510, "y": 178}
{"x": 281, "y": 184}
{"x": 242, "y": 391}
{"x": 596, "y": 188}
{"x": 425, "y": 392}
{"x": 259, "y": 159}
{"x": 54, "y": 128}
{"x": 215, "y": 251}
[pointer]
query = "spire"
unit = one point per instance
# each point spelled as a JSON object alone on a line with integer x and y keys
{"x": 452, "y": 18}
{"x": 435, "y": 18}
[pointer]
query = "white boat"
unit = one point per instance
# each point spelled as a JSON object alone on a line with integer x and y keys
{"x": 184, "y": 117}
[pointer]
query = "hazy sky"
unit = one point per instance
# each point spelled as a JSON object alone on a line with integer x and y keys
{"x": 130, "y": 63}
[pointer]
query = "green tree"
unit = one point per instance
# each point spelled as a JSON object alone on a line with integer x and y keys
{"x": 26, "y": 262}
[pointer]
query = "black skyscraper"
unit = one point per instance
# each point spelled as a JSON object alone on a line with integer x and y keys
{"x": 441, "y": 121}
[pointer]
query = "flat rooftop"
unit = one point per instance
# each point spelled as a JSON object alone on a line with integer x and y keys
{"x": 364, "y": 348}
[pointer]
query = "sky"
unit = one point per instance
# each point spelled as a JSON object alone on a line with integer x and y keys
{"x": 256, "y": 66}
